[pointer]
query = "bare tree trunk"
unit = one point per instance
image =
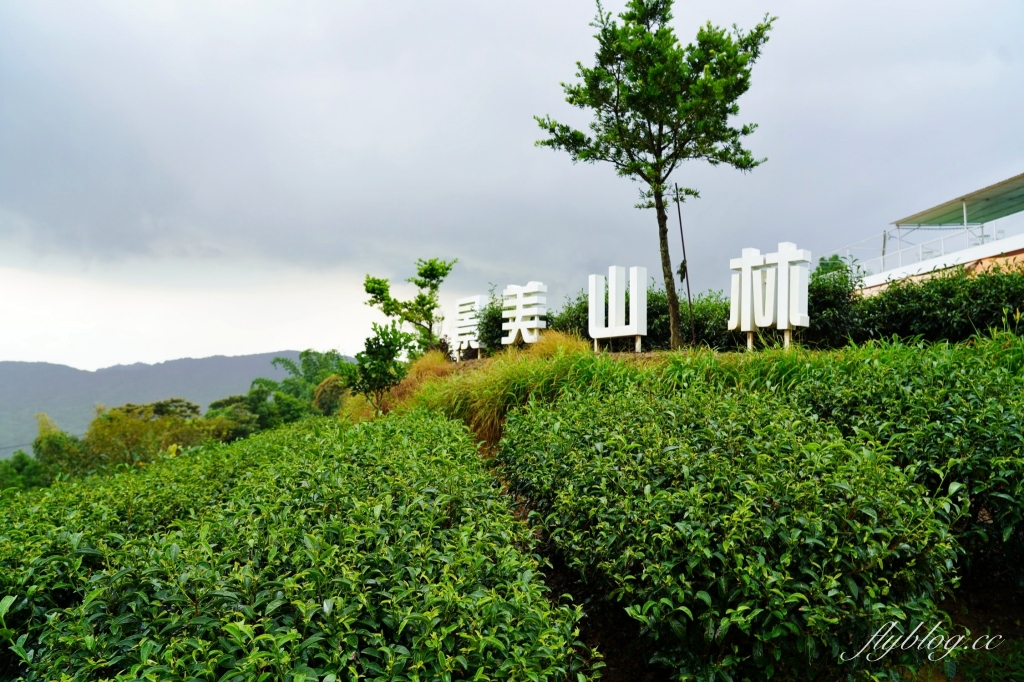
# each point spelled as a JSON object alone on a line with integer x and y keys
{"x": 666, "y": 270}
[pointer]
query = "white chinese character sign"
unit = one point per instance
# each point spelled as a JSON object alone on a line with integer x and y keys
{"x": 770, "y": 290}
{"x": 616, "y": 325}
{"x": 467, "y": 323}
{"x": 522, "y": 310}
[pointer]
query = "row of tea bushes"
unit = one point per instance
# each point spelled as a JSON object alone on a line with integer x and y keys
{"x": 382, "y": 552}
{"x": 953, "y": 412}
{"x": 751, "y": 540}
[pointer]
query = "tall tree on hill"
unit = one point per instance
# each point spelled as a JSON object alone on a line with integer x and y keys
{"x": 423, "y": 311}
{"x": 657, "y": 103}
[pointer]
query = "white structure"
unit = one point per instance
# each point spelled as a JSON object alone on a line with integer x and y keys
{"x": 467, "y": 324}
{"x": 976, "y": 229}
{"x": 770, "y": 290}
{"x": 616, "y": 325}
{"x": 522, "y": 309}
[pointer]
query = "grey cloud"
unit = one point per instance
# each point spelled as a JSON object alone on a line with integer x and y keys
{"x": 369, "y": 134}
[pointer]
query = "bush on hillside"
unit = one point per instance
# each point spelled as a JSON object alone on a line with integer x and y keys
{"x": 710, "y": 316}
{"x": 134, "y": 434}
{"x": 749, "y": 540}
{"x": 58, "y": 452}
{"x": 22, "y": 472}
{"x": 138, "y": 434}
{"x": 953, "y": 411}
{"x": 312, "y": 369}
{"x": 385, "y": 552}
{"x": 949, "y": 306}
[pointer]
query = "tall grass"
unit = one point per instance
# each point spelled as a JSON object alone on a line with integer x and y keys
{"x": 484, "y": 396}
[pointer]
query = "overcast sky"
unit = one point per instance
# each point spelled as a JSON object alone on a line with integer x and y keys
{"x": 189, "y": 179}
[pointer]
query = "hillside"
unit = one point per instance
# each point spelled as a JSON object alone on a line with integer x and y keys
{"x": 70, "y": 395}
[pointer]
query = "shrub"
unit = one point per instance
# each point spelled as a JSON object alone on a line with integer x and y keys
{"x": 750, "y": 540}
{"x": 385, "y": 552}
{"x": 59, "y": 452}
{"x": 378, "y": 368}
{"x": 22, "y": 472}
{"x": 133, "y": 434}
{"x": 489, "y": 330}
{"x": 710, "y": 316}
{"x": 949, "y": 306}
{"x": 330, "y": 394}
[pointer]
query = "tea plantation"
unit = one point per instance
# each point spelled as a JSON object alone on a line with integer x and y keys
{"x": 755, "y": 515}
{"x": 383, "y": 552}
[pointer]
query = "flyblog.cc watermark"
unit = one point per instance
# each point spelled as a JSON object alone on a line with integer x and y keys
{"x": 889, "y": 638}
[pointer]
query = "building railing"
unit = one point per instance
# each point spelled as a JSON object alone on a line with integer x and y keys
{"x": 908, "y": 244}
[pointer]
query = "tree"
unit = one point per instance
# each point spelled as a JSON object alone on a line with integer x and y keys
{"x": 378, "y": 367}
{"x": 657, "y": 104}
{"x": 22, "y": 472}
{"x": 330, "y": 395}
{"x": 422, "y": 311}
{"x": 306, "y": 374}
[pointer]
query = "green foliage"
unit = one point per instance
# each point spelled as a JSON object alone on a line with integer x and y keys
{"x": 954, "y": 411}
{"x": 22, "y": 472}
{"x": 747, "y": 538}
{"x": 489, "y": 331}
{"x": 657, "y": 104}
{"x": 312, "y": 368}
{"x": 271, "y": 407}
{"x": 384, "y": 552}
{"x": 134, "y": 434}
{"x": 59, "y": 452}
{"x": 138, "y": 434}
{"x": 951, "y": 306}
{"x": 330, "y": 394}
{"x": 832, "y": 301}
{"x": 378, "y": 367}
{"x": 270, "y": 404}
{"x": 422, "y": 312}
{"x": 1003, "y": 663}
{"x": 942, "y": 420}
{"x": 710, "y": 313}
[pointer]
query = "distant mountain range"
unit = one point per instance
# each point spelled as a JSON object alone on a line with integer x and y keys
{"x": 70, "y": 396}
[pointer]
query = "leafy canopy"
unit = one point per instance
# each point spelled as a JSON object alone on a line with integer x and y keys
{"x": 657, "y": 103}
{"x": 378, "y": 367}
{"x": 422, "y": 311}
{"x": 306, "y": 374}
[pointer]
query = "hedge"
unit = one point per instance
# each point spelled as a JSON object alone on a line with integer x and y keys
{"x": 950, "y": 306}
{"x": 384, "y": 552}
{"x": 750, "y": 540}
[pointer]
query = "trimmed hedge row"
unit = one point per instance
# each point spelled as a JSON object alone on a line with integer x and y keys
{"x": 750, "y": 539}
{"x": 384, "y": 552}
{"x": 954, "y": 412}
{"x": 949, "y": 306}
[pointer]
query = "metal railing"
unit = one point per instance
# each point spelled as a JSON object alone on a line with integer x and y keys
{"x": 908, "y": 244}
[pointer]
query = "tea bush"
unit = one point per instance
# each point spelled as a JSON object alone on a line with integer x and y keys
{"x": 751, "y": 540}
{"x": 954, "y": 411}
{"x": 384, "y": 552}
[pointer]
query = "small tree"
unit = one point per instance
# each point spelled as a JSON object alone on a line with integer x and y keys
{"x": 422, "y": 311}
{"x": 657, "y": 104}
{"x": 306, "y": 374}
{"x": 378, "y": 368}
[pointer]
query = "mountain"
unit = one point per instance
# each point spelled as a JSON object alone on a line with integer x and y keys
{"x": 70, "y": 396}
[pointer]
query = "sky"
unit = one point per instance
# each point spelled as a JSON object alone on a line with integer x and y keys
{"x": 185, "y": 179}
